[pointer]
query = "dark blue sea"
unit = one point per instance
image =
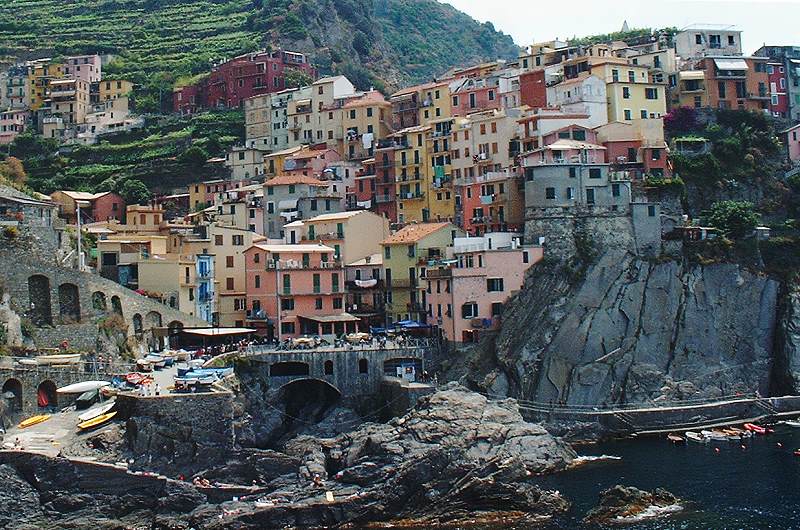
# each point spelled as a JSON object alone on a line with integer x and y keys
{"x": 755, "y": 487}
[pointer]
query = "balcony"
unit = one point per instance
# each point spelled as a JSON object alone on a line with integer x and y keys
{"x": 381, "y": 199}
{"x": 436, "y": 274}
{"x": 352, "y": 286}
{"x": 363, "y": 309}
{"x": 205, "y": 298}
{"x": 416, "y": 307}
{"x": 407, "y": 196}
{"x": 258, "y": 315}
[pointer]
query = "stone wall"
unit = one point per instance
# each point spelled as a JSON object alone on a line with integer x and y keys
{"x": 187, "y": 430}
{"x": 30, "y": 377}
{"x": 345, "y": 366}
{"x": 77, "y": 302}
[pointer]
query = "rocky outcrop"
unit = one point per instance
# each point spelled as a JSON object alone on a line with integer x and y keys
{"x": 622, "y": 504}
{"x": 630, "y": 330}
{"x": 456, "y": 454}
{"x": 786, "y": 370}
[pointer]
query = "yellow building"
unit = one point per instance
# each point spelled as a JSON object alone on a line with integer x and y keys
{"x": 365, "y": 120}
{"x": 632, "y": 95}
{"x": 405, "y": 258}
{"x": 690, "y": 90}
{"x": 424, "y": 185}
{"x": 114, "y": 89}
{"x": 418, "y": 105}
{"x": 40, "y": 74}
{"x": 173, "y": 277}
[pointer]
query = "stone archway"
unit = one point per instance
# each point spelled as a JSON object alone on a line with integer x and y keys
{"x": 41, "y": 310}
{"x": 13, "y": 387}
{"x": 69, "y": 304}
{"x": 138, "y": 327}
{"x": 46, "y": 395}
{"x": 116, "y": 305}
{"x": 153, "y": 319}
{"x": 99, "y": 301}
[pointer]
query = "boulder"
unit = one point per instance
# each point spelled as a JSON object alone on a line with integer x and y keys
{"x": 622, "y": 504}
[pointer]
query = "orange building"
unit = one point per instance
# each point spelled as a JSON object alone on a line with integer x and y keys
{"x": 736, "y": 82}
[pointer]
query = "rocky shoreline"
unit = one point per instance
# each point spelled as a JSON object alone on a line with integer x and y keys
{"x": 454, "y": 457}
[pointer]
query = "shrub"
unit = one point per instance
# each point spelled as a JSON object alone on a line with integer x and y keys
{"x": 735, "y": 219}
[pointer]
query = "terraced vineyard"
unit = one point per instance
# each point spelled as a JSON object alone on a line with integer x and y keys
{"x": 174, "y": 36}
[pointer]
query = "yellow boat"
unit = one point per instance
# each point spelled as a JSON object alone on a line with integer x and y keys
{"x": 33, "y": 420}
{"x": 94, "y": 422}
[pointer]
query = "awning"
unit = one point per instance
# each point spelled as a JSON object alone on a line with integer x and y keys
{"x": 344, "y": 317}
{"x": 692, "y": 74}
{"x": 287, "y": 204}
{"x": 731, "y": 64}
{"x": 218, "y": 332}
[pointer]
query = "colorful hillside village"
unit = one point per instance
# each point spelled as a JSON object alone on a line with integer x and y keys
{"x": 348, "y": 210}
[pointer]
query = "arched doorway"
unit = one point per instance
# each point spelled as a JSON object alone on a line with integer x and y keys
{"x": 116, "y": 305}
{"x": 69, "y": 304}
{"x": 12, "y": 393}
{"x": 99, "y": 301}
{"x": 138, "y": 328}
{"x": 153, "y": 319}
{"x": 174, "y": 328}
{"x": 41, "y": 311}
{"x": 46, "y": 395}
{"x": 300, "y": 404}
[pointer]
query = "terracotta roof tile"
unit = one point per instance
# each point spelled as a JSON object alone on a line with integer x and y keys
{"x": 414, "y": 232}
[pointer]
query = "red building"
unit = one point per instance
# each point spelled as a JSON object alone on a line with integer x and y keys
{"x": 474, "y": 95}
{"x": 385, "y": 193}
{"x": 232, "y": 82}
{"x": 108, "y": 206}
{"x": 779, "y": 99}
{"x": 533, "y": 89}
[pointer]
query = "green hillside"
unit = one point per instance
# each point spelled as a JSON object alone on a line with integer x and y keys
{"x": 156, "y": 42}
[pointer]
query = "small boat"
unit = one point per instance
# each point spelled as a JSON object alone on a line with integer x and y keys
{"x": 86, "y": 399}
{"x": 157, "y": 361}
{"x": 63, "y": 358}
{"x": 674, "y": 438}
{"x": 695, "y": 437}
{"x": 715, "y": 436}
{"x": 84, "y": 386}
{"x": 96, "y": 421}
{"x": 143, "y": 365}
{"x": 96, "y": 411}
{"x": 792, "y": 423}
{"x": 755, "y": 428}
{"x": 137, "y": 379}
{"x": 797, "y": 452}
{"x": 33, "y": 420}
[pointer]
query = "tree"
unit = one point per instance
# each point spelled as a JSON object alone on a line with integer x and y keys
{"x": 194, "y": 156}
{"x": 13, "y": 171}
{"x": 135, "y": 192}
{"x": 680, "y": 120}
{"x": 735, "y": 219}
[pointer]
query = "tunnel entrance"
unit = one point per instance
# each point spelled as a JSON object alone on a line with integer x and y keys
{"x": 300, "y": 406}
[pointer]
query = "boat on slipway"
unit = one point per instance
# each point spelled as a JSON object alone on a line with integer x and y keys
{"x": 96, "y": 421}
{"x": 83, "y": 386}
{"x": 96, "y": 411}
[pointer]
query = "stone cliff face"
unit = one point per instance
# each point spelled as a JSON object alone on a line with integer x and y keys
{"x": 632, "y": 330}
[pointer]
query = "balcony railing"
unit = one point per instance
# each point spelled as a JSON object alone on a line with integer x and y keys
{"x": 435, "y": 274}
{"x": 380, "y": 199}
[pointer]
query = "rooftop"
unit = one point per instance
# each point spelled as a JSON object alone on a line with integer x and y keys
{"x": 374, "y": 259}
{"x": 285, "y": 180}
{"x": 413, "y": 233}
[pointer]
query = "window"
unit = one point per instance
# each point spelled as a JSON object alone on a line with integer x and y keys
{"x": 363, "y": 366}
{"x": 615, "y": 190}
{"x": 369, "y": 112}
{"x": 483, "y": 129}
{"x": 229, "y": 284}
{"x": 721, "y": 89}
{"x": 615, "y": 75}
{"x": 627, "y": 114}
{"x": 631, "y": 76}
{"x": 229, "y": 261}
{"x": 656, "y": 154}
{"x": 335, "y": 282}
{"x": 318, "y": 303}
{"x": 287, "y": 304}
{"x": 317, "y": 287}
{"x": 469, "y": 310}
{"x": 550, "y": 193}
{"x": 497, "y": 309}
{"x": 291, "y": 188}
{"x": 491, "y": 95}
{"x": 494, "y": 285}
{"x": 643, "y": 114}
{"x": 387, "y": 252}
{"x": 337, "y": 303}
{"x": 218, "y": 240}
{"x": 257, "y": 281}
{"x": 238, "y": 240}
{"x": 455, "y": 101}
{"x": 287, "y": 328}
{"x": 570, "y": 194}
{"x": 626, "y": 92}
{"x": 590, "y": 196}
{"x": 731, "y": 40}
{"x": 651, "y": 93}
{"x": 594, "y": 173}
{"x": 651, "y": 211}
{"x": 287, "y": 284}
{"x": 411, "y": 251}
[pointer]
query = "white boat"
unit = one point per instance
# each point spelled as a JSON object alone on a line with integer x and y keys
{"x": 716, "y": 436}
{"x": 792, "y": 423}
{"x": 695, "y": 437}
{"x": 63, "y": 358}
{"x": 84, "y": 386}
{"x": 156, "y": 360}
{"x": 96, "y": 411}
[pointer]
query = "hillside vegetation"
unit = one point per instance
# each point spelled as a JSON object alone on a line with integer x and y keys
{"x": 156, "y": 42}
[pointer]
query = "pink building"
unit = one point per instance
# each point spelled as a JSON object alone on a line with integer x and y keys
{"x": 87, "y": 68}
{"x": 472, "y": 95}
{"x": 12, "y": 122}
{"x": 791, "y": 140}
{"x": 305, "y": 282}
{"x": 310, "y": 162}
{"x": 467, "y": 291}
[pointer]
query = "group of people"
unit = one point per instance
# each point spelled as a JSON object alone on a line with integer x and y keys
{"x": 148, "y": 389}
